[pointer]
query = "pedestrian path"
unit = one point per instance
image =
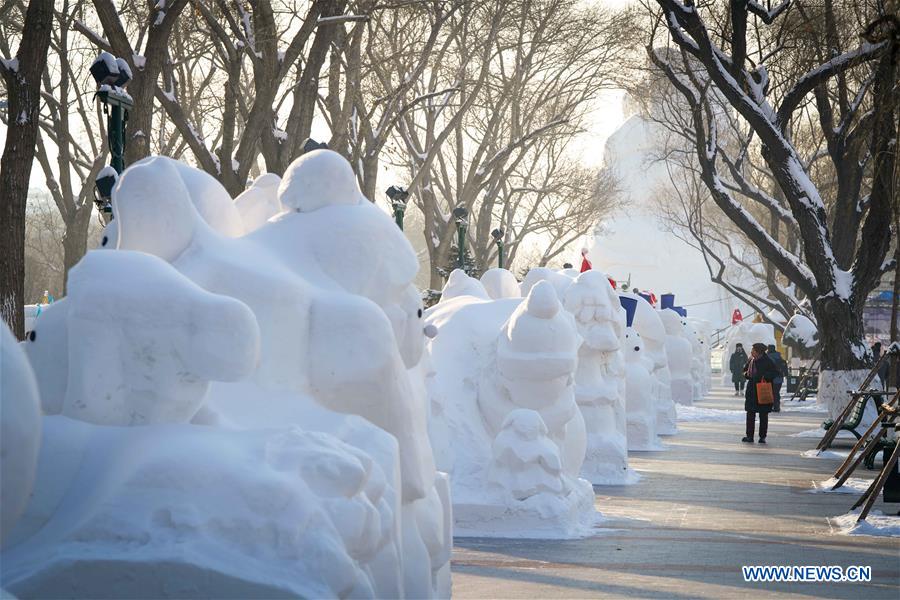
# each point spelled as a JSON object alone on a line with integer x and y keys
{"x": 705, "y": 507}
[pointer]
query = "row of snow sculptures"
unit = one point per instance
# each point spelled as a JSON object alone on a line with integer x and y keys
{"x": 505, "y": 423}
{"x": 215, "y": 447}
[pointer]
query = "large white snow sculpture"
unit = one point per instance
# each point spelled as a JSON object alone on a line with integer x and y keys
{"x": 600, "y": 377}
{"x": 330, "y": 282}
{"x": 640, "y": 399}
{"x": 500, "y": 283}
{"x": 678, "y": 353}
{"x": 703, "y": 330}
{"x": 259, "y": 202}
{"x": 653, "y": 335}
{"x": 20, "y": 430}
{"x": 503, "y": 406}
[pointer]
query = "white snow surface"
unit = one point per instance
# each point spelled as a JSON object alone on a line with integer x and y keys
{"x": 876, "y": 524}
{"x": 20, "y": 430}
{"x": 853, "y": 485}
{"x": 259, "y": 203}
{"x": 714, "y": 415}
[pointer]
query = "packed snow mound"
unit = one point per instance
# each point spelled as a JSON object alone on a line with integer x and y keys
{"x": 259, "y": 203}
{"x": 559, "y": 281}
{"x": 876, "y": 524}
{"x": 209, "y": 197}
{"x": 801, "y": 334}
{"x": 500, "y": 283}
{"x": 222, "y": 513}
{"x": 20, "y": 430}
{"x": 460, "y": 284}
{"x": 317, "y": 179}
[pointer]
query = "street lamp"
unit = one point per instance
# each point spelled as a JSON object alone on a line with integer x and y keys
{"x": 497, "y": 234}
{"x": 310, "y": 144}
{"x": 399, "y": 197}
{"x": 461, "y": 215}
{"x": 112, "y": 75}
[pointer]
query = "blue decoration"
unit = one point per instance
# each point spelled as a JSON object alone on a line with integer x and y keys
{"x": 667, "y": 300}
{"x": 630, "y": 306}
{"x": 680, "y": 310}
{"x": 646, "y": 297}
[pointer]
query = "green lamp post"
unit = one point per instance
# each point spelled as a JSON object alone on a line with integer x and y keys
{"x": 399, "y": 198}
{"x": 497, "y": 234}
{"x": 461, "y": 215}
{"x": 112, "y": 75}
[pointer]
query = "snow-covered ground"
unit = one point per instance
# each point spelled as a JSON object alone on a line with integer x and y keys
{"x": 853, "y": 485}
{"x": 699, "y": 413}
{"x": 876, "y": 524}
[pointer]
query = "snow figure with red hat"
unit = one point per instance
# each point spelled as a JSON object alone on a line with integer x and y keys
{"x": 678, "y": 352}
{"x": 736, "y": 316}
{"x": 639, "y": 397}
{"x": 585, "y": 263}
{"x": 600, "y": 378}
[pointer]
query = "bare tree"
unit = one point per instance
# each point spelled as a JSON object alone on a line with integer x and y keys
{"x": 22, "y": 76}
{"x": 835, "y": 266}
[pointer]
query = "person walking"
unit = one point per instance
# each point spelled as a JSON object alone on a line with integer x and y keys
{"x": 759, "y": 369}
{"x": 781, "y": 367}
{"x": 736, "y": 365}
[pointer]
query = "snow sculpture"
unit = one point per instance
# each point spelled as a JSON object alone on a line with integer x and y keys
{"x": 500, "y": 283}
{"x": 136, "y": 343}
{"x": 209, "y": 197}
{"x": 560, "y": 281}
{"x": 259, "y": 203}
{"x": 537, "y": 353}
{"x": 653, "y": 336}
{"x": 460, "y": 284}
{"x": 330, "y": 283}
{"x": 678, "y": 353}
{"x": 639, "y": 394}
{"x": 703, "y": 329}
{"x": 503, "y": 402}
{"x": 600, "y": 377}
{"x": 20, "y": 430}
{"x": 525, "y": 461}
{"x": 183, "y": 510}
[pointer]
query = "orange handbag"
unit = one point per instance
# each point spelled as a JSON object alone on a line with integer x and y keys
{"x": 764, "y": 393}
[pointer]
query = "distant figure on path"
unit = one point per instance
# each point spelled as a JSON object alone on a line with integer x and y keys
{"x": 736, "y": 365}
{"x": 782, "y": 369}
{"x": 759, "y": 368}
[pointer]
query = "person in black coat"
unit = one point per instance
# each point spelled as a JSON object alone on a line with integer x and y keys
{"x": 759, "y": 368}
{"x": 736, "y": 365}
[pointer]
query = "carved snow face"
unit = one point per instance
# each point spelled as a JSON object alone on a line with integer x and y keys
{"x": 633, "y": 346}
{"x": 589, "y": 301}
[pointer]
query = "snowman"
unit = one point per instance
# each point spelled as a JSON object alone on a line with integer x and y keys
{"x": 678, "y": 353}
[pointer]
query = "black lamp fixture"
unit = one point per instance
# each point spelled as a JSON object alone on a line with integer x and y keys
{"x": 398, "y": 197}
{"x": 460, "y": 214}
{"x": 310, "y": 144}
{"x": 497, "y": 234}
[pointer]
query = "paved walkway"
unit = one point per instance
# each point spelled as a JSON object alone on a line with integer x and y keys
{"x": 706, "y": 506}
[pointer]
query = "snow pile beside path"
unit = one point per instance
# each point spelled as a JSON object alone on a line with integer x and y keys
{"x": 631, "y": 477}
{"x": 827, "y": 454}
{"x": 818, "y": 432}
{"x": 712, "y": 415}
{"x": 876, "y": 524}
{"x": 809, "y": 406}
{"x": 854, "y": 485}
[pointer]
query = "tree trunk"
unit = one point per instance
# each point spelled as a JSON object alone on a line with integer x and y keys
{"x": 75, "y": 241}
{"x": 23, "y": 88}
{"x": 845, "y": 358}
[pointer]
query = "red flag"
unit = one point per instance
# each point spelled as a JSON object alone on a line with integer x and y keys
{"x": 736, "y": 316}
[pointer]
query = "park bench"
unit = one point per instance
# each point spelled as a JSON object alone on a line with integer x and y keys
{"x": 854, "y": 419}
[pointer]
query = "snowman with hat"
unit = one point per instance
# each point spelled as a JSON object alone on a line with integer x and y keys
{"x": 639, "y": 398}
